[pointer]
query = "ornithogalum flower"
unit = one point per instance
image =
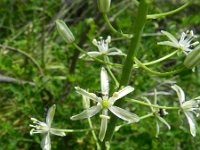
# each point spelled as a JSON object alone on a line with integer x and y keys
{"x": 186, "y": 43}
{"x": 45, "y": 128}
{"x": 103, "y": 49}
{"x": 189, "y": 108}
{"x": 106, "y": 103}
{"x": 158, "y": 113}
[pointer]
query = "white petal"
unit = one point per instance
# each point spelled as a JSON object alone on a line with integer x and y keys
{"x": 57, "y": 132}
{"x": 46, "y": 142}
{"x": 170, "y": 36}
{"x": 157, "y": 129}
{"x": 93, "y": 54}
{"x": 50, "y": 115}
{"x": 164, "y": 121}
{"x": 104, "y": 82}
{"x": 116, "y": 53}
{"x": 124, "y": 114}
{"x": 103, "y": 127}
{"x": 168, "y": 43}
{"x": 148, "y": 101}
{"x": 91, "y": 96}
{"x": 192, "y": 122}
{"x": 121, "y": 93}
{"x": 180, "y": 93}
{"x": 87, "y": 113}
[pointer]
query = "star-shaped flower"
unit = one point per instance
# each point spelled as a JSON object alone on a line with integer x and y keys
{"x": 106, "y": 103}
{"x": 186, "y": 42}
{"x": 158, "y": 114}
{"x": 45, "y": 128}
{"x": 189, "y": 108}
{"x": 103, "y": 48}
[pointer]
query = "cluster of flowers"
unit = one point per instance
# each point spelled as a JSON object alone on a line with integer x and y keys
{"x": 105, "y": 103}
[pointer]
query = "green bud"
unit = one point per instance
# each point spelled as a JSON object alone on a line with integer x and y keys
{"x": 192, "y": 59}
{"x": 104, "y": 5}
{"x": 64, "y": 31}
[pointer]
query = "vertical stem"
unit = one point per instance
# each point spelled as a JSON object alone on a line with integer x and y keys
{"x": 43, "y": 34}
{"x": 135, "y": 41}
{"x": 127, "y": 68}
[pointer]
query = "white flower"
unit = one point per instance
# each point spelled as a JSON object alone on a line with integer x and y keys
{"x": 103, "y": 48}
{"x": 106, "y": 103}
{"x": 186, "y": 42}
{"x": 189, "y": 108}
{"x": 45, "y": 128}
{"x": 158, "y": 114}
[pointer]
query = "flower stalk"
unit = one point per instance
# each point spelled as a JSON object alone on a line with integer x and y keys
{"x": 127, "y": 68}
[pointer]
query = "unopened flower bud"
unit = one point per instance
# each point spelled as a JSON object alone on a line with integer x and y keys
{"x": 104, "y": 5}
{"x": 64, "y": 31}
{"x": 193, "y": 58}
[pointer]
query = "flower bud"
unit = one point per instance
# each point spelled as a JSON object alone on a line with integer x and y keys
{"x": 104, "y": 5}
{"x": 64, "y": 31}
{"x": 193, "y": 58}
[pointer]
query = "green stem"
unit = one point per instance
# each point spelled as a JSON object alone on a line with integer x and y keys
{"x": 155, "y": 16}
{"x": 113, "y": 29}
{"x": 110, "y": 72}
{"x": 93, "y": 134}
{"x": 127, "y": 67}
{"x": 157, "y": 60}
{"x": 155, "y": 72}
{"x": 151, "y": 105}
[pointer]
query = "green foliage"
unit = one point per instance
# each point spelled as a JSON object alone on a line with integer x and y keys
{"x": 30, "y": 27}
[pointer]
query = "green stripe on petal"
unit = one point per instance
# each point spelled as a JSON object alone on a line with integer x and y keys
{"x": 87, "y": 113}
{"x": 164, "y": 121}
{"x": 57, "y": 132}
{"x": 124, "y": 114}
{"x": 91, "y": 96}
{"x": 50, "y": 115}
{"x": 170, "y": 36}
{"x": 121, "y": 93}
{"x": 104, "y": 82}
{"x": 46, "y": 142}
{"x": 192, "y": 122}
{"x": 104, "y": 123}
{"x": 180, "y": 93}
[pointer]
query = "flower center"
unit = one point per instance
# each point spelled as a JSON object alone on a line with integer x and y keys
{"x": 105, "y": 103}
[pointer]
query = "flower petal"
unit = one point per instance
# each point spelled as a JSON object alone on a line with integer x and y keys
{"x": 116, "y": 53}
{"x": 170, "y": 36}
{"x": 121, "y": 93}
{"x": 46, "y": 142}
{"x": 157, "y": 129}
{"x": 93, "y": 54}
{"x": 164, "y": 121}
{"x": 103, "y": 127}
{"x": 180, "y": 93}
{"x": 168, "y": 43}
{"x": 192, "y": 122}
{"x": 148, "y": 101}
{"x": 57, "y": 132}
{"x": 91, "y": 96}
{"x": 124, "y": 114}
{"x": 87, "y": 113}
{"x": 104, "y": 82}
{"x": 50, "y": 115}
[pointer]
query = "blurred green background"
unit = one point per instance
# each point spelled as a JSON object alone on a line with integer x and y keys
{"x": 29, "y": 26}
